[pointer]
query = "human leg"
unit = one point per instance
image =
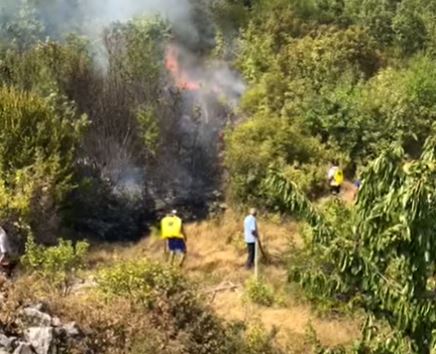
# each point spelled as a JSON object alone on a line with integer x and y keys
{"x": 177, "y": 246}
{"x": 251, "y": 249}
{"x": 166, "y": 250}
{"x": 182, "y": 258}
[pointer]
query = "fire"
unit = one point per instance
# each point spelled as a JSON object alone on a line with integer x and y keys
{"x": 180, "y": 76}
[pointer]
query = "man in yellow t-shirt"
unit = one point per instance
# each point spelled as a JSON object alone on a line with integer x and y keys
{"x": 335, "y": 178}
{"x": 174, "y": 236}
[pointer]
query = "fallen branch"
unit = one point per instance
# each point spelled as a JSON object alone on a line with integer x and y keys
{"x": 221, "y": 288}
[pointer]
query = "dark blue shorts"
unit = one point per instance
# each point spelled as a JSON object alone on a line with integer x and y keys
{"x": 177, "y": 245}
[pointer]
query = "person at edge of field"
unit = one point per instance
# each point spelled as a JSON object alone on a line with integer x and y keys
{"x": 175, "y": 238}
{"x": 5, "y": 253}
{"x": 251, "y": 235}
{"x": 335, "y": 178}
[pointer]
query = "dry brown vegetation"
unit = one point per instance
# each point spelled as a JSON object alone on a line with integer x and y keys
{"x": 216, "y": 264}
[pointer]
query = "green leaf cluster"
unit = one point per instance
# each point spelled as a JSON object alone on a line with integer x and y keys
{"x": 58, "y": 265}
{"x": 37, "y": 152}
{"x": 383, "y": 257}
{"x": 257, "y": 291}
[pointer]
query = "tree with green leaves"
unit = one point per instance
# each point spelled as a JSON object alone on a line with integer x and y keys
{"x": 383, "y": 257}
{"x": 38, "y": 141}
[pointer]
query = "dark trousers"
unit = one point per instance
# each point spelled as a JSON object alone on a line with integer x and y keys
{"x": 251, "y": 249}
{"x": 335, "y": 189}
{"x": 7, "y": 269}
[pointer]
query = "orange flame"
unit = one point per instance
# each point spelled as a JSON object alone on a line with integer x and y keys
{"x": 180, "y": 76}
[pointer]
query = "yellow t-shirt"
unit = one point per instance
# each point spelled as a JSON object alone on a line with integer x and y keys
{"x": 171, "y": 227}
{"x": 336, "y": 176}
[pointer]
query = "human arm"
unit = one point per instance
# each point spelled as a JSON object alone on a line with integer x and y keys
{"x": 330, "y": 175}
{"x": 255, "y": 231}
{"x": 185, "y": 237}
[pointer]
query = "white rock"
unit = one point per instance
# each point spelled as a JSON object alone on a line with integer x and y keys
{"x": 23, "y": 348}
{"x": 6, "y": 342}
{"x": 41, "y": 339}
{"x": 36, "y": 317}
{"x": 56, "y": 322}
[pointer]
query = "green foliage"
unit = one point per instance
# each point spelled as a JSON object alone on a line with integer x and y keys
{"x": 142, "y": 50}
{"x": 19, "y": 26}
{"x": 263, "y": 141}
{"x": 319, "y": 81}
{"x": 259, "y": 292}
{"x": 57, "y": 265}
{"x": 47, "y": 67}
{"x": 149, "y": 129}
{"x": 258, "y": 340}
{"x": 229, "y": 16}
{"x": 172, "y": 303}
{"x": 144, "y": 282}
{"x": 384, "y": 259}
{"x": 299, "y": 116}
{"x": 37, "y": 152}
{"x": 175, "y": 306}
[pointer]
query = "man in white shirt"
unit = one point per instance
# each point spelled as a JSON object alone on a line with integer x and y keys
{"x": 251, "y": 236}
{"x": 4, "y": 247}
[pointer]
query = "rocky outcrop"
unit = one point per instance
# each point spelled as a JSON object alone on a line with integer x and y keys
{"x": 41, "y": 333}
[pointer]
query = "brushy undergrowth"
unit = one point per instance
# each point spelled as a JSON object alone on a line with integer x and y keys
{"x": 257, "y": 291}
{"x": 57, "y": 265}
{"x": 137, "y": 307}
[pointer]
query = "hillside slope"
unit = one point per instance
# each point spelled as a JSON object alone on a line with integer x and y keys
{"x": 216, "y": 263}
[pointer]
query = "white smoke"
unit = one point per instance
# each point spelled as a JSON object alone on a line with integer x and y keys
{"x": 90, "y": 17}
{"x": 99, "y": 14}
{"x": 220, "y": 85}
{"x": 121, "y": 10}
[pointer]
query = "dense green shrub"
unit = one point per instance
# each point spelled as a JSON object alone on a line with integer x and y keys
{"x": 57, "y": 265}
{"x": 37, "y": 152}
{"x": 172, "y": 303}
{"x": 259, "y": 292}
{"x": 383, "y": 260}
{"x": 263, "y": 141}
{"x": 142, "y": 281}
{"x": 292, "y": 122}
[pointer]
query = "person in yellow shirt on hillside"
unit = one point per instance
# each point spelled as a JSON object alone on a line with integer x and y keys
{"x": 335, "y": 178}
{"x": 174, "y": 236}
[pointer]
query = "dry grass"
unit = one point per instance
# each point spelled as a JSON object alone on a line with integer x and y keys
{"x": 216, "y": 256}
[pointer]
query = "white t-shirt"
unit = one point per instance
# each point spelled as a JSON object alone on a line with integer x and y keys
{"x": 250, "y": 225}
{"x": 4, "y": 242}
{"x": 332, "y": 171}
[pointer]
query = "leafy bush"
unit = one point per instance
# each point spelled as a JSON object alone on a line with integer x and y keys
{"x": 58, "y": 265}
{"x": 385, "y": 258}
{"x": 170, "y": 301}
{"x": 38, "y": 140}
{"x": 144, "y": 282}
{"x": 258, "y": 340}
{"x": 259, "y": 292}
{"x": 262, "y": 141}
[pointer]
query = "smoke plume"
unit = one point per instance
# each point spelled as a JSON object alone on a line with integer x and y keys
{"x": 209, "y": 89}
